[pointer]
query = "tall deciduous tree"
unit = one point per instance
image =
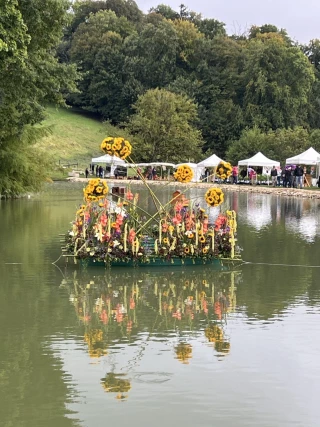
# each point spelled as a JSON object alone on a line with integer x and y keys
{"x": 30, "y": 75}
{"x": 277, "y": 83}
{"x": 165, "y": 127}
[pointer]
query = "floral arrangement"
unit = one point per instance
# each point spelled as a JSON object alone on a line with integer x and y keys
{"x": 96, "y": 190}
{"x": 224, "y": 170}
{"x": 184, "y": 173}
{"x": 110, "y": 231}
{"x": 214, "y": 197}
{"x": 119, "y": 147}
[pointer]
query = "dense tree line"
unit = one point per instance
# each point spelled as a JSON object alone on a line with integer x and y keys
{"x": 30, "y": 76}
{"x": 262, "y": 80}
{"x": 166, "y": 75}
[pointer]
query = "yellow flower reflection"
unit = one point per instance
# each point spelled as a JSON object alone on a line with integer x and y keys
{"x": 96, "y": 346}
{"x": 183, "y": 352}
{"x": 114, "y": 383}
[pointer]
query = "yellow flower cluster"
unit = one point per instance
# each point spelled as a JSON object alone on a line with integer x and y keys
{"x": 184, "y": 173}
{"x": 119, "y": 147}
{"x": 224, "y": 170}
{"x": 214, "y": 196}
{"x": 95, "y": 190}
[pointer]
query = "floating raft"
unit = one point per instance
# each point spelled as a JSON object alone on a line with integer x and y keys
{"x": 216, "y": 263}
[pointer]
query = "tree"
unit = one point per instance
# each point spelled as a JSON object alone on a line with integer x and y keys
{"x": 279, "y": 144}
{"x": 277, "y": 83}
{"x": 30, "y": 76}
{"x": 98, "y": 49}
{"x": 164, "y": 126}
{"x": 166, "y": 11}
{"x": 211, "y": 28}
{"x": 218, "y": 66}
{"x": 151, "y": 55}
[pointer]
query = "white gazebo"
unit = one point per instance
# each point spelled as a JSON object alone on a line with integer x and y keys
{"x": 210, "y": 162}
{"x": 308, "y": 157}
{"x": 259, "y": 159}
{"x": 113, "y": 161}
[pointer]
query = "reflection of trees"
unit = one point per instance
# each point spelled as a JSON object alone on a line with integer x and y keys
{"x": 153, "y": 302}
{"x": 32, "y": 381}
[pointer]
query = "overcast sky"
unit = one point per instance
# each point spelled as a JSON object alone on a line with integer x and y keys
{"x": 301, "y": 18}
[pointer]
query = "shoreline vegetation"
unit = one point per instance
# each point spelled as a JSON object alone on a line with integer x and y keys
{"x": 278, "y": 191}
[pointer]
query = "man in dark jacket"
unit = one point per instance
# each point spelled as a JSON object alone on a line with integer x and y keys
{"x": 274, "y": 174}
{"x": 298, "y": 173}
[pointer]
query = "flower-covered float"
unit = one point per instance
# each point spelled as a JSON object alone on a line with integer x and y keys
{"x": 122, "y": 233}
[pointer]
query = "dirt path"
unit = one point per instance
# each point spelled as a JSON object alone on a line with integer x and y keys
{"x": 279, "y": 191}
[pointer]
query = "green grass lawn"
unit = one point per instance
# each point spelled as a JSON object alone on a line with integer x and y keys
{"x": 75, "y": 137}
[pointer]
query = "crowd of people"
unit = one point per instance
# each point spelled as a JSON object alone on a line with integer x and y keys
{"x": 290, "y": 176}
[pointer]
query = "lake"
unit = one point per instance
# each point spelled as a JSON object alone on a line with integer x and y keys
{"x": 183, "y": 346}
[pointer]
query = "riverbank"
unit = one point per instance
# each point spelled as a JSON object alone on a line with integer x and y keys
{"x": 278, "y": 191}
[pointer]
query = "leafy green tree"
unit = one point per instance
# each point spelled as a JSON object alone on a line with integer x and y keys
{"x": 82, "y": 10}
{"x": 211, "y": 28}
{"x": 279, "y": 144}
{"x": 98, "y": 49}
{"x": 166, "y": 11}
{"x": 218, "y": 66}
{"x": 277, "y": 83}
{"x": 30, "y": 75}
{"x": 164, "y": 126}
{"x": 151, "y": 55}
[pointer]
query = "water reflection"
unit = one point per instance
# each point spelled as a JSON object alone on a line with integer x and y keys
{"x": 299, "y": 216}
{"x": 178, "y": 309}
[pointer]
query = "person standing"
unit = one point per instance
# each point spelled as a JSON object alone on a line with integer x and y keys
{"x": 274, "y": 175}
{"x": 298, "y": 173}
{"x": 279, "y": 174}
{"x": 235, "y": 175}
{"x": 87, "y": 172}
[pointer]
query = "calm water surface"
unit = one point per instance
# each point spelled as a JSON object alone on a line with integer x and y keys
{"x": 190, "y": 347}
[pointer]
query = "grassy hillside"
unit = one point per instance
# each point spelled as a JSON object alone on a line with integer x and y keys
{"x": 75, "y": 138}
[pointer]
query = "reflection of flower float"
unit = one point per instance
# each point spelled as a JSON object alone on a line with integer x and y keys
{"x": 114, "y": 383}
{"x": 95, "y": 341}
{"x": 215, "y": 335}
{"x": 185, "y": 302}
{"x": 183, "y": 352}
{"x": 122, "y": 233}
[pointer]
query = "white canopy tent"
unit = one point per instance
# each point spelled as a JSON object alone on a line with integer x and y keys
{"x": 259, "y": 159}
{"x": 197, "y": 171}
{"x": 210, "y": 162}
{"x": 308, "y": 157}
{"x": 113, "y": 161}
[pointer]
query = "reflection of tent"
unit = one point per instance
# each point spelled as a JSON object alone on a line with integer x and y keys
{"x": 308, "y": 157}
{"x": 113, "y": 161}
{"x": 210, "y": 162}
{"x": 197, "y": 172}
{"x": 258, "y": 159}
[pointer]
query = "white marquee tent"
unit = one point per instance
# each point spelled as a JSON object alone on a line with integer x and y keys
{"x": 308, "y": 157}
{"x": 113, "y": 161}
{"x": 259, "y": 159}
{"x": 210, "y": 162}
